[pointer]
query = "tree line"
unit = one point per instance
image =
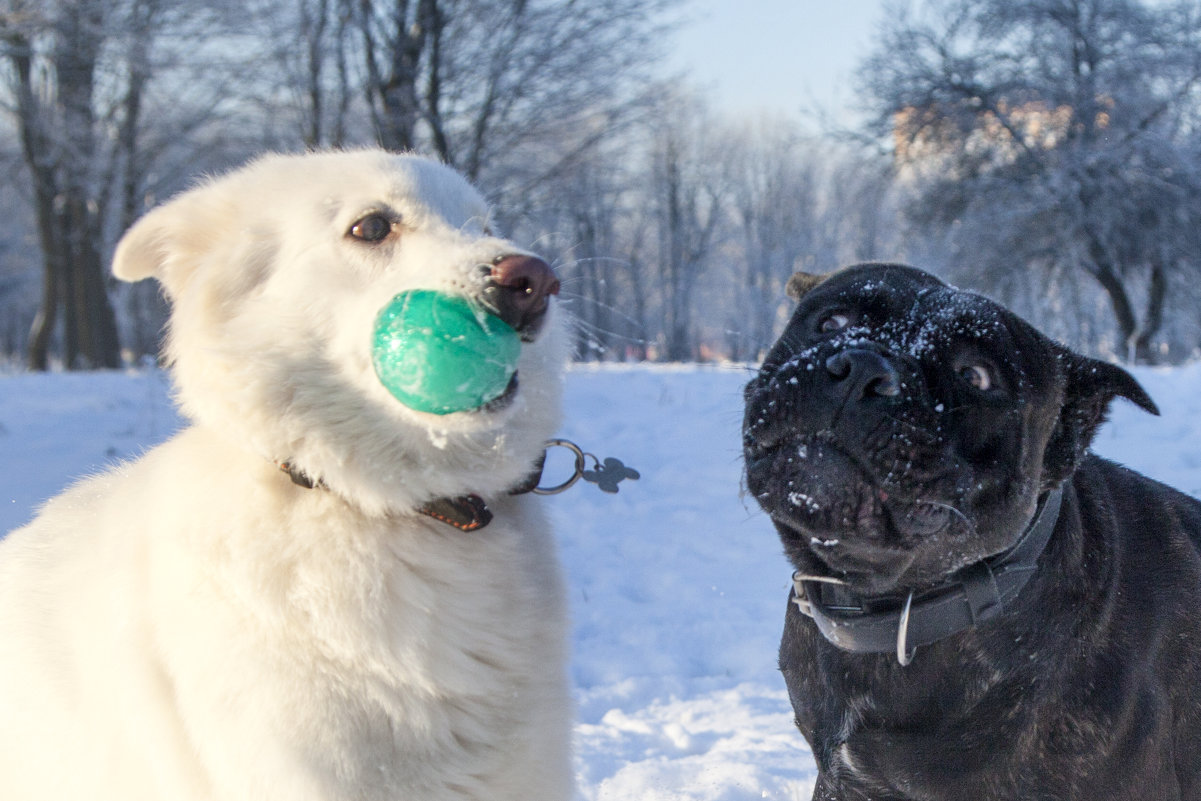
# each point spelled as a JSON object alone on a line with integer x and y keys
{"x": 1043, "y": 151}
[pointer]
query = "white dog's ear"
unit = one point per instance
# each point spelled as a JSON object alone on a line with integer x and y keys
{"x": 144, "y": 249}
{"x": 159, "y": 244}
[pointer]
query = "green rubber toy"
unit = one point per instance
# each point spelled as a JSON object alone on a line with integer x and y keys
{"x": 438, "y": 353}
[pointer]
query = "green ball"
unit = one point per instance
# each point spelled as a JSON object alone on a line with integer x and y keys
{"x": 439, "y": 353}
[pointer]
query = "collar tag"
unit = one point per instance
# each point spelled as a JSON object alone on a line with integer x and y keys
{"x": 605, "y": 475}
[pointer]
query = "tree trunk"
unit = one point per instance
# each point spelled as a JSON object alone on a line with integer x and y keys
{"x": 676, "y": 322}
{"x": 434, "y": 21}
{"x": 396, "y": 109}
{"x": 38, "y": 357}
{"x": 32, "y": 144}
{"x": 1105, "y": 272}
{"x": 44, "y": 321}
{"x": 1157, "y": 293}
{"x": 89, "y": 304}
{"x": 67, "y": 210}
{"x": 91, "y": 325}
{"x": 313, "y": 22}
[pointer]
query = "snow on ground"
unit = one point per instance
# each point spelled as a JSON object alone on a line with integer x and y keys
{"x": 677, "y": 582}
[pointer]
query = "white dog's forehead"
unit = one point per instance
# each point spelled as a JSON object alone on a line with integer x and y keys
{"x": 348, "y": 184}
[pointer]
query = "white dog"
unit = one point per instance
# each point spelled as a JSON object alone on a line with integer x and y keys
{"x": 201, "y": 625}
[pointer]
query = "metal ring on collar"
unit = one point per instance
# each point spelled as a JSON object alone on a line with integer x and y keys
{"x": 576, "y": 474}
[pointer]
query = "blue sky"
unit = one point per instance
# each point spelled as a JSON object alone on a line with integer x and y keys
{"x": 777, "y": 56}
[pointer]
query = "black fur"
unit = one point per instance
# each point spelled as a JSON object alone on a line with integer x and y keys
{"x": 896, "y": 473}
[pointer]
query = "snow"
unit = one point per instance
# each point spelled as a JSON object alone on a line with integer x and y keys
{"x": 678, "y": 585}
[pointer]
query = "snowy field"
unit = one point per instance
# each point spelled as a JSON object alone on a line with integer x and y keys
{"x": 677, "y": 583}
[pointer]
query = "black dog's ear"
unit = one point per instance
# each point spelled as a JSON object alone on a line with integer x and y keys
{"x": 800, "y": 283}
{"x": 1091, "y": 387}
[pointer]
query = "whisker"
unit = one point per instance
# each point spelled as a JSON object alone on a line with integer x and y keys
{"x": 608, "y": 261}
{"x": 548, "y": 238}
{"x": 948, "y": 507}
{"x": 571, "y": 299}
{"x": 590, "y": 337}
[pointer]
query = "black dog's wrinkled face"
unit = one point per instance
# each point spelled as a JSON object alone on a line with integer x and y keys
{"x": 901, "y": 429}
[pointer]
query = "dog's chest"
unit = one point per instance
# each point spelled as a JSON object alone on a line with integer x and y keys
{"x": 434, "y": 606}
{"x": 381, "y": 642}
{"x": 947, "y": 738}
{"x": 908, "y": 732}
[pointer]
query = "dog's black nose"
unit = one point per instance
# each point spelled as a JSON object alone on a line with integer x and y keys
{"x": 868, "y": 374}
{"x": 519, "y": 289}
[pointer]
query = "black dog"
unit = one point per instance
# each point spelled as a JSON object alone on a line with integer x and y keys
{"x": 982, "y": 608}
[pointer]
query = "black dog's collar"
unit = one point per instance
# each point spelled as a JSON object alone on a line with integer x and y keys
{"x": 973, "y": 595}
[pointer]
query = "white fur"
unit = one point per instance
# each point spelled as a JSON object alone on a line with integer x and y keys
{"x": 196, "y": 626}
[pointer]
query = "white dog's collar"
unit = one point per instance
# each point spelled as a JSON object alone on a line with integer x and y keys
{"x": 471, "y": 513}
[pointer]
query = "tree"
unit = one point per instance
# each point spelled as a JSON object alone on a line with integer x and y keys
{"x": 53, "y": 57}
{"x": 774, "y": 200}
{"x": 114, "y": 103}
{"x": 587, "y": 218}
{"x": 475, "y": 82}
{"x": 1051, "y": 134}
{"x": 688, "y": 193}
{"x": 676, "y": 238}
{"x": 322, "y": 32}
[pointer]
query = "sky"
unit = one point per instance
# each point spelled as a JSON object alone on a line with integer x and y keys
{"x": 782, "y": 57}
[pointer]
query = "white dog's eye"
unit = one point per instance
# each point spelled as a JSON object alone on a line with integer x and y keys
{"x": 372, "y": 228}
{"x": 978, "y": 376}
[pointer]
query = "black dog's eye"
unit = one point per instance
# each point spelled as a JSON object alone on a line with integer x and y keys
{"x": 978, "y": 376}
{"x": 833, "y": 322}
{"x": 373, "y": 228}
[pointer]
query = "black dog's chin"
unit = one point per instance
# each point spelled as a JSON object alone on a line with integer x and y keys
{"x": 815, "y": 488}
{"x": 869, "y": 569}
{"x": 835, "y": 518}
{"x": 869, "y": 565}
